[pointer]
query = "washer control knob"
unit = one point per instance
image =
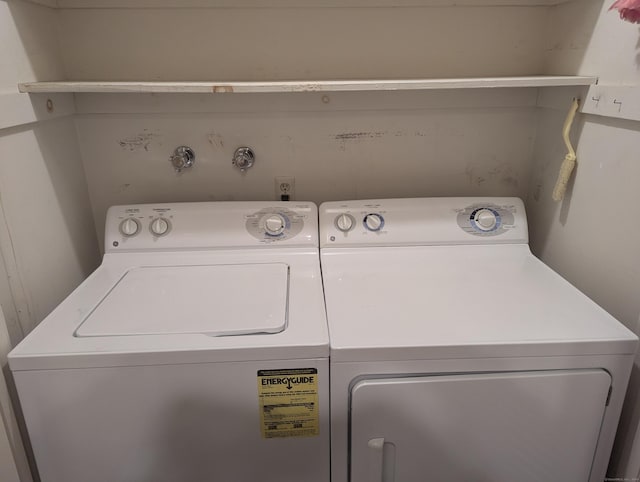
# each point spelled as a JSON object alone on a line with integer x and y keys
{"x": 344, "y": 222}
{"x": 129, "y": 227}
{"x": 159, "y": 226}
{"x": 373, "y": 222}
{"x": 274, "y": 224}
{"x": 485, "y": 219}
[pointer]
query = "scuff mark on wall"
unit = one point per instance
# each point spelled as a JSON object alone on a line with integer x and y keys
{"x": 216, "y": 140}
{"x": 509, "y": 181}
{"x": 348, "y": 136}
{"x": 138, "y": 142}
{"x": 537, "y": 191}
{"x": 470, "y": 172}
{"x": 124, "y": 187}
{"x": 502, "y": 172}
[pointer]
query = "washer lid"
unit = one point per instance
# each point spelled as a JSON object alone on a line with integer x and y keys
{"x": 216, "y": 300}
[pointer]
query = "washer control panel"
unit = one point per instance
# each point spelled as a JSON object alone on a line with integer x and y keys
{"x": 133, "y": 221}
{"x": 487, "y": 219}
{"x": 423, "y": 221}
{"x": 273, "y": 224}
{"x": 129, "y": 227}
{"x": 210, "y": 225}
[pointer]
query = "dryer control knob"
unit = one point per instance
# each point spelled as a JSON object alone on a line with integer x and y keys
{"x": 485, "y": 219}
{"x": 274, "y": 225}
{"x": 129, "y": 227}
{"x": 344, "y": 222}
{"x": 159, "y": 226}
{"x": 373, "y": 222}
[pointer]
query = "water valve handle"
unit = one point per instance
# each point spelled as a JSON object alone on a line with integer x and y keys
{"x": 243, "y": 158}
{"x": 183, "y": 158}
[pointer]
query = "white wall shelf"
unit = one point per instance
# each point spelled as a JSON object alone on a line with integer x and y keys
{"x": 176, "y": 4}
{"x": 303, "y": 86}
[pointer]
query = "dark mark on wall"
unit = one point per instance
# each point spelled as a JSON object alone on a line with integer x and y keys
{"x": 347, "y": 136}
{"x": 502, "y": 173}
{"x": 509, "y": 181}
{"x": 537, "y": 191}
{"x": 138, "y": 142}
{"x": 216, "y": 140}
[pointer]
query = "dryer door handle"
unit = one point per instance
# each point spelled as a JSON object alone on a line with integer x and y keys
{"x": 381, "y": 461}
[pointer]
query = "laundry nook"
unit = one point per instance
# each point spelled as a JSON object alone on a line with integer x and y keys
{"x": 319, "y": 240}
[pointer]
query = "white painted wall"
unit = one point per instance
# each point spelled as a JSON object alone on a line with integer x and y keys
{"x": 49, "y": 234}
{"x": 301, "y": 43}
{"x": 585, "y": 38}
{"x": 339, "y": 146}
{"x": 13, "y": 461}
{"x": 47, "y": 238}
{"x": 592, "y": 237}
{"x": 28, "y": 35}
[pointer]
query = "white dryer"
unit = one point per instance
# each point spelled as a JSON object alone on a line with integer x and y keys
{"x": 458, "y": 356}
{"x": 197, "y": 351}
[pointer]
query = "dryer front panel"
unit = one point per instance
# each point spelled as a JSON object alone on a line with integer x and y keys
{"x": 499, "y": 427}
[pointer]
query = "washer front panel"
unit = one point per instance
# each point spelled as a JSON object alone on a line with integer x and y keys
{"x": 191, "y": 422}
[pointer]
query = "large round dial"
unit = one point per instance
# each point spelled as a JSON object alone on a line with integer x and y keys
{"x": 274, "y": 224}
{"x": 129, "y": 227}
{"x": 344, "y": 222}
{"x": 485, "y": 219}
{"x": 159, "y": 226}
{"x": 373, "y": 222}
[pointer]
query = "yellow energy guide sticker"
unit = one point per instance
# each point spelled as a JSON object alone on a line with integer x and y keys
{"x": 288, "y": 402}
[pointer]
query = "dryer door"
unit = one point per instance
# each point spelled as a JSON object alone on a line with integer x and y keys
{"x": 497, "y": 427}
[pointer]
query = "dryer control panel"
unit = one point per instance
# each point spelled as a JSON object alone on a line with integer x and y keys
{"x": 210, "y": 225}
{"x": 423, "y": 221}
{"x": 487, "y": 219}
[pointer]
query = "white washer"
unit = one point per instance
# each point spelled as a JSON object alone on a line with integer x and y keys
{"x": 456, "y": 355}
{"x": 197, "y": 351}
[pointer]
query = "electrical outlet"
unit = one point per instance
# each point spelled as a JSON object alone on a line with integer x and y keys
{"x": 285, "y": 188}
